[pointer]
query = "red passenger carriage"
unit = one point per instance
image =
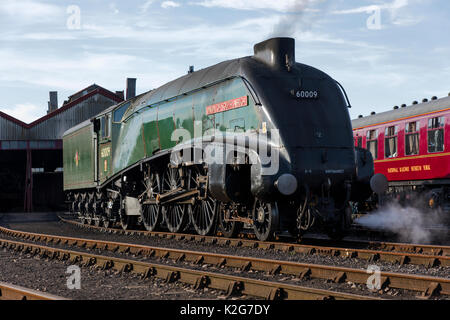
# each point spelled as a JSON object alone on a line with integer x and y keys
{"x": 411, "y": 147}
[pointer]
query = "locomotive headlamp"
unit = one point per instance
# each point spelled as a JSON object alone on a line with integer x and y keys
{"x": 286, "y": 184}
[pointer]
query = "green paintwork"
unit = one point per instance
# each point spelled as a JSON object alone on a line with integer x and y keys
{"x": 78, "y": 158}
{"x": 181, "y": 112}
{"x": 146, "y": 129}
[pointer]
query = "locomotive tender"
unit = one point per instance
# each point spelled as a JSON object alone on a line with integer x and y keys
{"x": 410, "y": 146}
{"x": 261, "y": 141}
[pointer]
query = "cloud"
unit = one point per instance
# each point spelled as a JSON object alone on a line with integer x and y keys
{"x": 29, "y": 11}
{"x": 277, "y": 5}
{"x": 26, "y": 112}
{"x": 170, "y": 4}
{"x": 63, "y": 72}
{"x": 144, "y": 8}
{"x": 113, "y": 8}
{"x": 393, "y": 6}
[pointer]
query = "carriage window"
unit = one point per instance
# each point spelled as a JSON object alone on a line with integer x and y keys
{"x": 412, "y": 138}
{"x": 372, "y": 143}
{"x": 390, "y": 142}
{"x": 436, "y": 134}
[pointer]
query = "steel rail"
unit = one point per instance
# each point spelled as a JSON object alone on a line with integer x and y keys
{"x": 427, "y": 285}
{"x": 13, "y": 292}
{"x": 427, "y": 255}
{"x": 199, "y": 279}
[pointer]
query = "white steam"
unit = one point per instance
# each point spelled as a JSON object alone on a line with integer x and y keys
{"x": 409, "y": 223}
{"x": 298, "y": 16}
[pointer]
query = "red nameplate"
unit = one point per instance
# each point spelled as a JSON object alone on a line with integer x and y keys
{"x": 227, "y": 105}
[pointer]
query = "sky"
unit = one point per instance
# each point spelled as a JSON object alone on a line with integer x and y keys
{"x": 384, "y": 52}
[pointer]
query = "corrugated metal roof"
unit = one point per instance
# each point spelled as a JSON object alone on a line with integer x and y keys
{"x": 53, "y": 125}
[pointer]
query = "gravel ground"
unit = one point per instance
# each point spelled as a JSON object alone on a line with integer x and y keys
{"x": 59, "y": 228}
{"x": 50, "y": 279}
{"x": 50, "y": 276}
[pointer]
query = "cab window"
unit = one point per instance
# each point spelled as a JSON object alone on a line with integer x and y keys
{"x": 435, "y": 134}
{"x": 105, "y": 126}
{"x": 412, "y": 138}
{"x": 372, "y": 142}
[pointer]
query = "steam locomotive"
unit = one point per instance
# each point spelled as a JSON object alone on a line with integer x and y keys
{"x": 260, "y": 142}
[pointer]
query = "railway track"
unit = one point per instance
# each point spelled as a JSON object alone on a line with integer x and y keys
{"x": 231, "y": 285}
{"x": 425, "y": 285}
{"x": 427, "y": 255}
{"x": 13, "y": 292}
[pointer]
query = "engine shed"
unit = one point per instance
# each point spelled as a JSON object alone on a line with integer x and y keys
{"x": 31, "y": 156}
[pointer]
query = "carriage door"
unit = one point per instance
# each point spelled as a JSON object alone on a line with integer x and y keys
{"x": 104, "y": 148}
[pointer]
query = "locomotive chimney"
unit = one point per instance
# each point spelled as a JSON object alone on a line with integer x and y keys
{"x": 131, "y": 88}
{"x": 276, "y": 52}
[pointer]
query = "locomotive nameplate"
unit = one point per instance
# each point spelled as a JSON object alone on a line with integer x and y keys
{"x": 227, "y": 105}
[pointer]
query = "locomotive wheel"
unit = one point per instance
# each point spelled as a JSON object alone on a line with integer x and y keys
{"x": 203, "y": 212}
{"x": 176, "y": 216}
{"x": 229, "y": 229}
{"x": 151, "y": 213}
{"x": 265, "y": 219}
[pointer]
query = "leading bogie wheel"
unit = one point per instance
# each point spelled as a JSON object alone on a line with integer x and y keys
{"x": 265, "y": 219}
{"x": 228, "y": 227}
